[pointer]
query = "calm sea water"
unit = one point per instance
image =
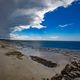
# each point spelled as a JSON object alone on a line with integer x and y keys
{"x": 52, "y": 44}
{"x": 62, "y": 44}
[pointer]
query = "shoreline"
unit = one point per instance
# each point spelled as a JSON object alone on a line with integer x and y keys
{"x": 18, "y": 65}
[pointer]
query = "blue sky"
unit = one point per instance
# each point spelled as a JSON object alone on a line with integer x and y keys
{"x": 68, "y": 18}
{"x": 44, "y": 20}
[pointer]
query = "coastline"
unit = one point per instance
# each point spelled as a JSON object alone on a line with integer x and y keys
{"x": 12, "y": 68}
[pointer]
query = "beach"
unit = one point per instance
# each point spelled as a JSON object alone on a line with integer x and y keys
{"x": 16, "y": 64}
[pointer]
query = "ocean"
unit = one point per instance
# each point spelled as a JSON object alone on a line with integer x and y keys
{"x": 61, "y": 44}
{"x": 51, "y": 44}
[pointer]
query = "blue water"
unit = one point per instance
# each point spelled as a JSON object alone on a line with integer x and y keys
{"x": 53, "y": 44}
{"x": 61, "y": 44}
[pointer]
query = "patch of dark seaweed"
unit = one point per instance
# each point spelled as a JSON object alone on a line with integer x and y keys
{"x": 43, "y": 61}
{"x": 15, "y": 53}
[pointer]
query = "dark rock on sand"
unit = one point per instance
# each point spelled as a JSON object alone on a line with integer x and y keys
{"x": 43, "y": 61}
{"x": 70, "y": 72}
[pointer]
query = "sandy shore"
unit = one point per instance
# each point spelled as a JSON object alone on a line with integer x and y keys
{"x": 12, "y": 68}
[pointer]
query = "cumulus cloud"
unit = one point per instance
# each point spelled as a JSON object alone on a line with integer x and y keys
{"x": 16, "y": 15}
{"x": 19, "y": 28}
{"x": 65, "y": 25}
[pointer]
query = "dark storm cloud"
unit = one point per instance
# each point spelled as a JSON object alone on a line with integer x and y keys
{"x": 6, "y": 8}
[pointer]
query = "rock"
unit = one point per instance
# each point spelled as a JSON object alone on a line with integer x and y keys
{"x": 70, "y": 72}
{"x": 57, "y": 77}
{"x": 43, "y": 61}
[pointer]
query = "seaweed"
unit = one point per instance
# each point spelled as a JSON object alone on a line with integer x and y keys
{"x": 15, "y": 53}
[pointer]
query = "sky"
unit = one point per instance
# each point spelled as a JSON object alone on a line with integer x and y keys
{"x": 57, "y": 20}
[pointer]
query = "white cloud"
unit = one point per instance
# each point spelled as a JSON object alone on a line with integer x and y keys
{"x": 34, "y": 10}
{"x": 65, "y": 25}
{"x": 23, "y": 27}
{"x": 38, "y": 26}
{"x": 19, "y": 28}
